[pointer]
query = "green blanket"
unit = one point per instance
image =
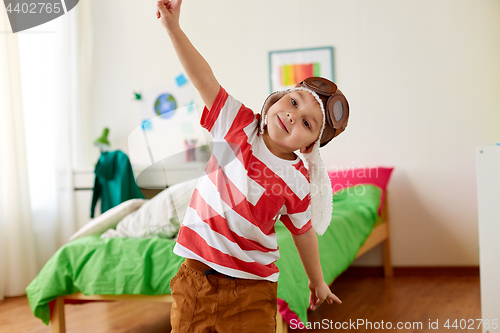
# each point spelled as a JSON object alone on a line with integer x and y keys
{"x": 96, "y": 266}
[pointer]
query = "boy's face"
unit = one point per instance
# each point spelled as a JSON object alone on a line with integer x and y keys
{"x": 294, "y": 122}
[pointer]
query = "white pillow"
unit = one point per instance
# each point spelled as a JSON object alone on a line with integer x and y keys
{"x": 108, "y": 219}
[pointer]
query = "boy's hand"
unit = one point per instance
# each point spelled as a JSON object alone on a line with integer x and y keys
{"x": 320, "y": 293}
{"x": 169, "y": 12}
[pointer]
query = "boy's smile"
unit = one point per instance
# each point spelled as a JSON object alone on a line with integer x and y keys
{"x": 293, "y": 123}
{"x": 282, "y": 124}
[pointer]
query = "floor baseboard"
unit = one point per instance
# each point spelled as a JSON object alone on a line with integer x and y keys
{"x": 419, "y": 271}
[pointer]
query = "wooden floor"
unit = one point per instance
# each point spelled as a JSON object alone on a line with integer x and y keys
{"x": 374, "y": 299}
{"x": 401, "y": 299}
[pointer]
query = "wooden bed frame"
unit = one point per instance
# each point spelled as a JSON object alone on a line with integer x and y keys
{"x": 379, "y": 235}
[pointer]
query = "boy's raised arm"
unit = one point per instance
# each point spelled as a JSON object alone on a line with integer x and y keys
{"x": 197, "y": 69}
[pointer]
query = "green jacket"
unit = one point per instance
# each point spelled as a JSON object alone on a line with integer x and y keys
{"x": 114, "y": 181}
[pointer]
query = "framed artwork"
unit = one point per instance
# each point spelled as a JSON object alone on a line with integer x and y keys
{"x": 289, "y": 67}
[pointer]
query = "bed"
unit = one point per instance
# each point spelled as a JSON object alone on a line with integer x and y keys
{"x": 126, "y": 269}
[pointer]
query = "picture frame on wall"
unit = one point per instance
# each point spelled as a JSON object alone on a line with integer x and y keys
{"x": 289, "y": 67}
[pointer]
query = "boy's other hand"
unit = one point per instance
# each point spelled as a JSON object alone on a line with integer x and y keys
{"x": 320, "y": 293}
{"x": 168, "y": 12}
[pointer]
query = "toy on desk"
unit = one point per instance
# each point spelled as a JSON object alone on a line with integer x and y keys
{"x": 102, "y": 142}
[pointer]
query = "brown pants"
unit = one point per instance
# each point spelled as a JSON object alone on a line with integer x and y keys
{"x": 215, "y": 303}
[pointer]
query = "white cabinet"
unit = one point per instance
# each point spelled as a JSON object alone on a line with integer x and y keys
{"x": 488, "y": 193}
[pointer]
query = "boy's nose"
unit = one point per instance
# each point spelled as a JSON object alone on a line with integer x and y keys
{"x": 289, "y": 115}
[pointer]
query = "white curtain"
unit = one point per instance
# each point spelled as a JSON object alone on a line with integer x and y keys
{"x": 40, "y": 133}
{"x": 17, "y": 248}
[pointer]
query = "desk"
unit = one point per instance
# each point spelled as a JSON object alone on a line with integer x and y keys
{"x": 151, "y": 179}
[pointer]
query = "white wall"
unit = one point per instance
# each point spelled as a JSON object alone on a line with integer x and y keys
{"x": 422, "y": 79}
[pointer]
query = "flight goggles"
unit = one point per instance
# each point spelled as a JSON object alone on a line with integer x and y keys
{"x": 334, "y": 103}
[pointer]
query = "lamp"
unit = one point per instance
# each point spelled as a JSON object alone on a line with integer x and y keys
{"x": 102, "y": 141}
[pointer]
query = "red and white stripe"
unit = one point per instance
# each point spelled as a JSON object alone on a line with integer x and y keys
{"x": 229, "y": 224}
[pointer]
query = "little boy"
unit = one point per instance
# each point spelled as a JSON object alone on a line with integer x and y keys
{"x": 228, "y": 282}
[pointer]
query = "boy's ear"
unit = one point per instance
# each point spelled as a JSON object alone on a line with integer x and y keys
{"x": 307, "y": 149}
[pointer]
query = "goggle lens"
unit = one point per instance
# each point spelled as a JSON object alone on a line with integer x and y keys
{"x": 338, "y": 110}
{"x": 320, "y": 85}
{"x": 323, "y": 87}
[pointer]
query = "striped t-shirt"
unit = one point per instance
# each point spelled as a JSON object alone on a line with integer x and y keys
{"x": 229, "y": 224}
